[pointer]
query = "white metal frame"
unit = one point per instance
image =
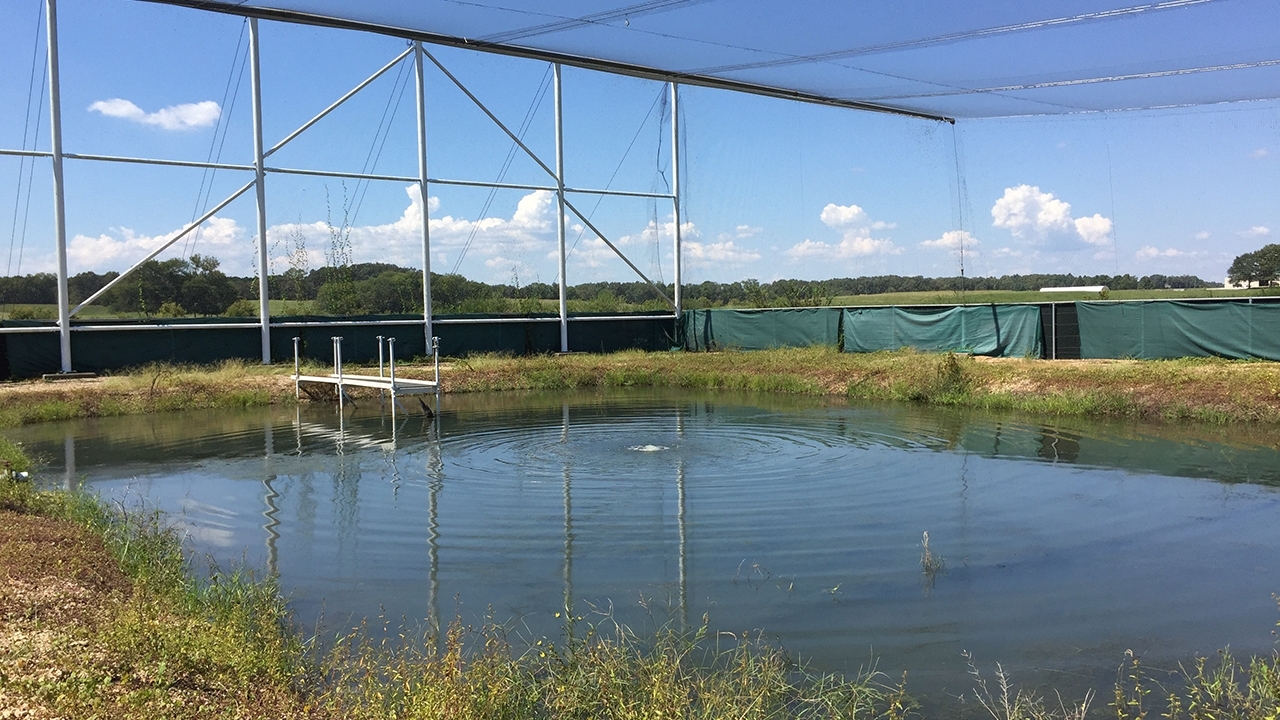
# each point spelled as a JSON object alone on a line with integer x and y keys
{"x": 261, "y": 170}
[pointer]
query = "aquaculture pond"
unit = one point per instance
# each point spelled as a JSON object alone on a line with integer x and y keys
{"x": 1061, "y": 544}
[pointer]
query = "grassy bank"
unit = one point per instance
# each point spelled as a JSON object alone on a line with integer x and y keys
{"x": 1207, "y": 390}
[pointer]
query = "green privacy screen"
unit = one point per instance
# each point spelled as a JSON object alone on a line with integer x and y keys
{"x": 996, "y": 330}
{"x": 202, "y": 341}
{"x": 760, "y": 329}
{"x": 1153, "y": 330}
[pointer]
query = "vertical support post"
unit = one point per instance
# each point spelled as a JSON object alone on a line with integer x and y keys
{"x": 59, "y": 193}
{"x": 564, "y": 287}
{"x": 1053, "y": 330}
{"x": 422, "y": 187}
{"x": 675, "y": 189}
{"x": 264, "y": 310}
{"x": 380, "y": 339}
{"x": 297, "y": 364}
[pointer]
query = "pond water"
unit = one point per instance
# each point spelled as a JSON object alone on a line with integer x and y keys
{"x": 1064, "y": 543}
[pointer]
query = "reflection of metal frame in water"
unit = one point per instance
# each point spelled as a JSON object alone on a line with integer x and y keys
{"x": 568, "y": 520}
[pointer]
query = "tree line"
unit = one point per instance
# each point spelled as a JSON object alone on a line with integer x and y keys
{"x": 196, "y": 286}
{"x": 1260, "y": 267}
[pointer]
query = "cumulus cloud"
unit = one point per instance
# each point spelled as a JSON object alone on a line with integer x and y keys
{"x": 1149, "y": 252}
{"x": 855, "y": 228}
{"x": 721, "y": 252}
{"x": 1202, "y": 235}
{"x": 1041, "y": 218}
{"x": 1256, "y": 231}
{"x": 186, "y": 116}
{"x": 1259, "y": 153}
{"x": 122, "y": 246}
{"x": 952, "y": 240}
{"x": 746, "y": 231}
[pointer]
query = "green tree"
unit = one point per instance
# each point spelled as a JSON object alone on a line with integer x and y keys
{"x": 1261, "y": 266}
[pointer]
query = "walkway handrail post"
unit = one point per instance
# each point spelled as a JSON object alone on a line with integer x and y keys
{"x": 391, "y": 358}
{"x": 297, "y": 391}
{"x": 435, "y": 353}
{"x": 380, "y": 338}
{"x": 337, "y": 356}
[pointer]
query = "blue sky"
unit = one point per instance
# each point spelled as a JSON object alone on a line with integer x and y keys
{"x": 772, "y": 189}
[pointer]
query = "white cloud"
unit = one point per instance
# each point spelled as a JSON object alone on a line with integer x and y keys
{"x": 952, "y": 240}
{"x": 1041, "y": 218}
{"x": 841, "y": 216}
{"x": 746, "y": 231}
{"x": 1149, "y": 252}
{"x": 1256, "y": 231}
{"x": 124, "y": 247}
{"x": 856, "y": 241}
{"x": 175, "y": 117}
{"x": 723, "y": 252}
{"x": 1202, "y": 235}
{"x": 1259, "y": 153}
{"x": 851, "y": 246}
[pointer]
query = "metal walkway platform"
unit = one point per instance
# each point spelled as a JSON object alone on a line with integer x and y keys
{"x": 385, "y": 383}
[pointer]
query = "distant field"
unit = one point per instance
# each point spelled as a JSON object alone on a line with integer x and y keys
{"x": 1024, "y": 296}
{"x": 307, "y": 307}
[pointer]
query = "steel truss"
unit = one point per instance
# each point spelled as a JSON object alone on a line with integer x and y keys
{"x": 261, "y": 170}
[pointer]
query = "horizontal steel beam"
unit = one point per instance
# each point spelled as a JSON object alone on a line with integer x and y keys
{"x": 608, "y": 66}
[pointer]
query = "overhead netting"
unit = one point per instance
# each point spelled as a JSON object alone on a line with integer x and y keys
{"x": 957, "y": 60}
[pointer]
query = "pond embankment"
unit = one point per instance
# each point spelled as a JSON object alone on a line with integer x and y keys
{"x": 1206, "y": 390}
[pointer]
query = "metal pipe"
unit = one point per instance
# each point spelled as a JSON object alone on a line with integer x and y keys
{"x": 675, "y": 188}
{"x": 560, "y": 204}
{"x": 155, "y": 161}
{"x": 1053, "y": 330}
{"x": 297, "y": 388}
{"x": 255, "y": 74}
{"x": 339, "y": 174}
{"x": 337, "y": 102}
{"x": 380, "y": 338}
{"x": 621, "y": 193}
{"x": 26, "y": 153}
{"x": 618, "y": 252}
{"x": 102, "y": 291}
{"x": 391, "y": 360}
{"x": 422, "y": 189}
{"x": 59, "y": 190}
{"x": 435, "y": 354}
{"x": 485, "y": 184}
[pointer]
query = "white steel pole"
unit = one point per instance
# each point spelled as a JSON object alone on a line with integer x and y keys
{"x": 59, "y": 195}
{"x": 422, "y": 187}
{"x": 264, "y": 310}
{"x": 675, "y": 187}
{"x": 564, "y": 287}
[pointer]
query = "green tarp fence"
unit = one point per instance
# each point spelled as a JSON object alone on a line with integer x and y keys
{"x": 760, "y": 329}
{"x": 1171, "y": 329}
{"x": 26, "y": 355}
{"x": 995, "y": 330}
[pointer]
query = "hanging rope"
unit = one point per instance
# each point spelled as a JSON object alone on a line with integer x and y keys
{"x": 534, "y": 105}
{"x": 215, "y": 145}
{"x": 617, "y": 169}
{"x": 962, "y": 193}
{"x": 384, "y": 129}
{"x": 28, "y": 163}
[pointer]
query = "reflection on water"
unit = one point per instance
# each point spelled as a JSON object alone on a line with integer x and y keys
{"x": 1065, "y": 544}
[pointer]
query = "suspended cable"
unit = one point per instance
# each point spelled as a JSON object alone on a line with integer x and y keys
{"x": 962, "y": 193}
{"x": 215, "y": 148}
{"x": 616, "y": 170}
{"x": 26, "y": 125}
{"x": 534, "y": 105}
{"x": 1111, "y": 182}
{"x": 562, "y": 23}
{"x": 375, "y": 148}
